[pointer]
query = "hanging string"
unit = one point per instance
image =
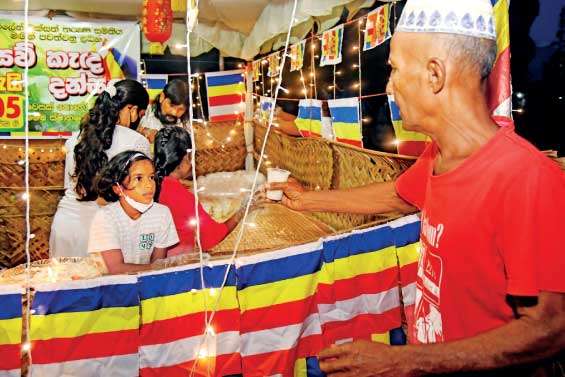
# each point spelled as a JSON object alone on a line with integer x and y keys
{"x": 359, "y": 97}
{"x": 304, "y": 90}
{"x": 359, "y": 67}
{"x": 313, "y": 66}
{"x": 334, "y": 85}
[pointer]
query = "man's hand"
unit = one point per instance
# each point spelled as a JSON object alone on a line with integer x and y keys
{"x": 293, "y": 193}
{"x": 362, "y": 359}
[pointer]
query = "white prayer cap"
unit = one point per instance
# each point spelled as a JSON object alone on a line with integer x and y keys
{"x": 466, "y": 17}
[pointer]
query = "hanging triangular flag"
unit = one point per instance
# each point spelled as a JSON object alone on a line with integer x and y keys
{"x": 226, "y": 93}
{"x": 345, "y": 120}
{"x": 331, "y": 46}
{"x": 377, "y": 29}
{"x": 297, "y": 56}
{"x": 154, "y": 84}
{"x": 265, "y": 106}
{"x": 274, "y": 62}
{"x": 409, "y": 143}
{"x": 309, "y": 119}
{"x": 256, "y": 70}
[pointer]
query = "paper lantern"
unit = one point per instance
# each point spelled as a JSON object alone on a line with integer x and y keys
{"x": 157, "y": 24}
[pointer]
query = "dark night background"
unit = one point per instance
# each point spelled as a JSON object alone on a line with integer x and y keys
{"x": 537, "y": 35}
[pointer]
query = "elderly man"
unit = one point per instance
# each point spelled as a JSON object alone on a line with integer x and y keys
{"x": 490, "y": 283}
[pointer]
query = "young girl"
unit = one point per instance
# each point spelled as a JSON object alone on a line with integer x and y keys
{"x": 131, "y": 231}
{"x": 104, "y": 133}
{"x": 172, "y": 163}
{"x": 168, "y": 109}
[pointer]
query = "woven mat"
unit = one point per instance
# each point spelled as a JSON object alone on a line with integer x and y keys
{"x": 274, "y": 227}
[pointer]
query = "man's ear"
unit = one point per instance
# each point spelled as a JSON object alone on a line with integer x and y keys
{"x": 161, "y": 97}
{"x": 436, "y": 74}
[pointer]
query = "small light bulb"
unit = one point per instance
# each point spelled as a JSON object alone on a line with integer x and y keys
{"x": 4, "y": 147}
{"x": 26, "y": 347}
{"x": 210, "y": 330}
{"x": 213, "y": 292}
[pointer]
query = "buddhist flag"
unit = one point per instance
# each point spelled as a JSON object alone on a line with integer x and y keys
{"x": 297, "y": 56}
{"x": 499, "y": 81}
{"x": 309, "y": 119}
{"x": 86, "y": 327}
{"x": 408, "y": 143}
{"x": 10, "y": 330}
{"x": 274, "y": 62}
{"x": 331, "y": 46}
{"x": 377, "y": 29}
{"x": 265, "y": 106}
{"x": 226, "y": 95}
{"x": 256, "y": 69}
{"x": 345, "y": 120}
{"x": 155, "y": 84}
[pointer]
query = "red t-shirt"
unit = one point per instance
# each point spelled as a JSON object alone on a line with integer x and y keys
{"x": 491, "y": 227}
{"x": 181, "y": 203}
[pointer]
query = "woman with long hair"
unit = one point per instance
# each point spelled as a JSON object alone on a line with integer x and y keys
{"x": 105, "y": 132}
{"x": 172, "y": 163}
{"x": 169, "y": 108}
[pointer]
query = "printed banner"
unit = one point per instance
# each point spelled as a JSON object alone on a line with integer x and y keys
{"x": 69, "y": 61}
{"x": 309, "y": 119}
{"x": 86, "y": 327}
{"x": 274, "y": 61}
{"x": 256, "y": 69}
{"x": 332, "y": 41}
{"x": 10, "y": 330}
{"x": 345, "y": 120}
{"x": 226, "y": 95}
{"x": 297, "y": 56}
{"x": 408, "y": 143}
{"x": 377, "y": 29}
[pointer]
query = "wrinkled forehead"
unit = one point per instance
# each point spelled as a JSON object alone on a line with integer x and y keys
{"x": 407, "y": 45}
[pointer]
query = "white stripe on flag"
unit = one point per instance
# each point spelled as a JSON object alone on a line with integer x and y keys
{"x": 184, "y": 350}
{"x": 398, "y": 223}
{"x": 345, "y": 310}
{"x": 223, "y": 73}
{"x": 115, "y": 366}
{"x": 409, "y": 294}
{"x": 11, "y": 289}
{"x": 344, "y": 102}
{"x": 279, "y": 338}
{"x": 10, "y": 373}
{"x": 236, "y": 108}
{"x": 279, "y": 254}
{"x": 90, "y": 283}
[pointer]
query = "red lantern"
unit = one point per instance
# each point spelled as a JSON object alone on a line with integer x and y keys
{"x": 157, "y": 23}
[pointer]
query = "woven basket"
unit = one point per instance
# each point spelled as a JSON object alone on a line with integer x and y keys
{"x": 219, "y": 147}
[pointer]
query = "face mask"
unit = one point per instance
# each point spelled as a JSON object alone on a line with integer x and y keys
{"x": 138, "y": 206}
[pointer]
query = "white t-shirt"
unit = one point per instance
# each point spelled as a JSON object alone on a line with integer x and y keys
{"x": 151, "y": 121}
{"x": 113, "y": 229}
{"x": 123, "y": 139}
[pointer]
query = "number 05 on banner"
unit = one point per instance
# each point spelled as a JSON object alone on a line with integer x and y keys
{"x": 11, "y": 115}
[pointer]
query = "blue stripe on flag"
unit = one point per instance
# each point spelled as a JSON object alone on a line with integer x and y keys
{"x": 11, "y": 306}
{"x": 156, "y": 83}
{"x": 313, "y": 367}
{"x": 355, "y": 244}
{"x": 394, "y": 111}
{"x": 407, "y": 234}
{"x": 279, "y": 269}
{"x": 345, "y": 114}
{"x": 397, "y": 337}
{"x": 85, "y": 299}
{"x": 224, "y": 80}
{"x": 176, "y": 282}
{"x": 310, "y": 112}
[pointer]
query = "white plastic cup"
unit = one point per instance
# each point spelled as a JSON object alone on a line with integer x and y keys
{"x": 275, "y": 175}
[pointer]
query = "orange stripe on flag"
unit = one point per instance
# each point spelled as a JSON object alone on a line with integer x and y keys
{"x": 499, "y": 82}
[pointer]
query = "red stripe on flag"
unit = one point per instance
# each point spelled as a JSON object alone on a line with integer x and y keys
{"x": 277, "y": 315}
{"x": 222, "y": 365}
{"x": 499, "y": 81}
{"x": 170, "y": 330}
{"x": 88, "y": 346}
{"x": 362, "y": 284}
{"x": 223, "y": 118}
{"x": 10, "y": 356}
{"x": 411, "y": 148}
{"x": 357, "y": 143}
{"x": 228, "y": 99}
{"x": 408, "y": 273}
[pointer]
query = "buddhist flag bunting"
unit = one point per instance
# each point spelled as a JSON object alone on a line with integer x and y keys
{"x": 265, "y": 106}
{"x": 256, "y": 69}
{"x": 377, "y": 29}
{"x": 309, "y": 119}
{"x": 297, "y": 56}
{"x": 173, "y": 306}
{"x": 86, "y": 327}
{"x": 226, "y": 95}
{"x": 155, "y": 84}
{"x": 331, "y": 46}
{"x": 499, "y": 81}
{"x": 274, "y": 62}
{"x": 10, "y": 330}
{"x": 409, "y": 143}
{"x": 279, "y": 313}
{"x": 345, "y": 120}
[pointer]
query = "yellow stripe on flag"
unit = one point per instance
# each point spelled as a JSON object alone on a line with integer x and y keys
{"x": 181, "y": 304}
{"x": 223, "y": 90}
{"x": 501, "y": 19}
{"x": 408, "y": 254}
{"x": 70, "y": 325}
{"x": 381, "y": 338}
{"x": 350, "y": 131}
{"x": 114, "y": 69}
{"x": 300, "y": 368}
{"x": 403, "y": 135}
{"x": 11, "y": 331}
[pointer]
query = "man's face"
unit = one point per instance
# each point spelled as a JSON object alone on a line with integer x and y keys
{"x": 171, "y": 113}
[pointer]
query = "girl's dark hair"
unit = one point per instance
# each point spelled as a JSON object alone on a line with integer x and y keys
{"x": 115, "y": 172}
{"x": 177, "y": 91}
{"x": 171, "y": 144}
{"x": 97, "y": 131}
